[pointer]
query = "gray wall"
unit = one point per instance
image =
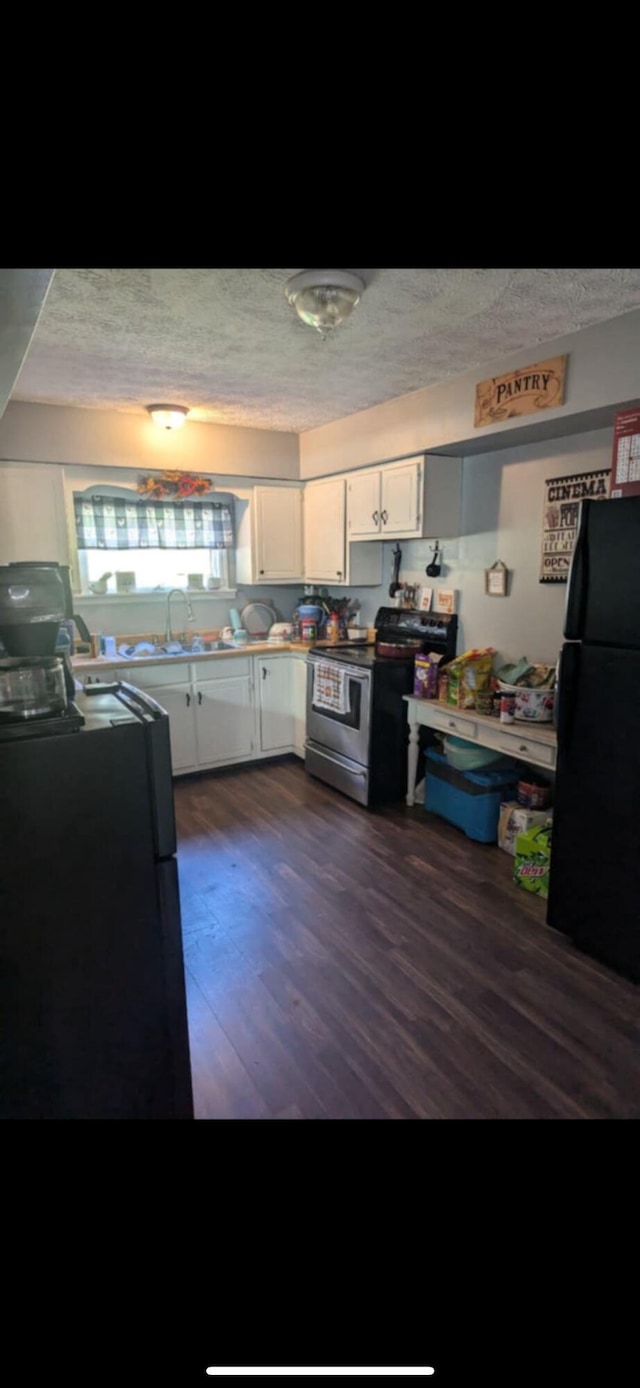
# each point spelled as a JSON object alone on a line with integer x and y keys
{"x": 502, "y": 501}
{"x": 115, "y": 438}
{"x": 603, "y": 374}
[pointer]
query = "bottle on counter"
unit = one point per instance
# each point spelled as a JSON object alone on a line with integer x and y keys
{"x": 333, "y": 627}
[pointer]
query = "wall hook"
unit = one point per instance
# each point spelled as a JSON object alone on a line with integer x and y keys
{"x": 433, "y": 569}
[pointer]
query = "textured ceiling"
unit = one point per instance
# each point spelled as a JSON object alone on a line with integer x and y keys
{"x": 227, "y": 344}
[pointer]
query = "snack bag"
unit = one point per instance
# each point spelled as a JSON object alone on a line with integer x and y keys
{"x": 425, "y": 679}
{"x": 469, "y": 674}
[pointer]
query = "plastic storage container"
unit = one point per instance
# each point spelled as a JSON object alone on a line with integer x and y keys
{"x": 468, "y": 756}
{"x": 469, "y": 799}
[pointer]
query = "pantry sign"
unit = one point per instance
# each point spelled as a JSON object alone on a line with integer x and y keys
{"x": 538, "y": 387}
{"x": 562, "y": 497}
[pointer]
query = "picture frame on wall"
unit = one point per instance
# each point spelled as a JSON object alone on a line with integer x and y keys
{"x": 496, "y": 580}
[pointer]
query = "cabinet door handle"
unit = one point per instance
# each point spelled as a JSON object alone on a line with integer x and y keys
{"x": 385, "y": 516}
{"x": 262, "y": 571}
{"x": 199, "y": 696}
{"x": 374, "y": 517}
{"x": 188, "y": 699}
{"x": 265, "y": 672}
{"x": 339, "y": 573}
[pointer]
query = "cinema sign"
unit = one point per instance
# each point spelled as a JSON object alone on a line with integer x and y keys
{"x": 532, "y": 388}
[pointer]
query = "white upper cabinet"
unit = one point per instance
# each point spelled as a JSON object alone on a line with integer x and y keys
{"x": 328, "y": 556}
{"x": 32, "y": 514}
{"x": 270, "y": 537}
{"x": 324, "y": 531}
{"x": 400, "y": 500}
{"x": 363, "y": 505}
{"x": 413, "y": 499}
{"x": 278, "y": 521}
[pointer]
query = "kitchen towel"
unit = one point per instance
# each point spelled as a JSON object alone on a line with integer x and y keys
{"x": 330, "y": 686}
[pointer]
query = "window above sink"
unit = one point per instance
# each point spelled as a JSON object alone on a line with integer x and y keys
{"x": 154, "y": 571}
{"x": 129, "y": 546}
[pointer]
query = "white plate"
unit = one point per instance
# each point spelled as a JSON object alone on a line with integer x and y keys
{"x": 257, "y": 618}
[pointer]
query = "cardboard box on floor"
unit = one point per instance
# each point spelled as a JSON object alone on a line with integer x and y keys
{"x": 516, "y": 819}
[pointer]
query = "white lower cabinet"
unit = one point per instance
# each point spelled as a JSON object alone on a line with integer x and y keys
{"x": 274, "y": 680}
{"x": 224, "y": 720}
{"x": 226, "y": 710}
{"x": 178, "y": 701}
{"x": 281, "y": 684}
{"x": 299, "y": 703}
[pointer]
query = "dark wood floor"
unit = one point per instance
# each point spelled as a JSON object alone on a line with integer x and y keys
{"x": 348, "y": 964}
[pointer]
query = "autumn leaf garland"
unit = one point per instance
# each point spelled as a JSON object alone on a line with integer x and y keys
{"x": 179, "y": 486}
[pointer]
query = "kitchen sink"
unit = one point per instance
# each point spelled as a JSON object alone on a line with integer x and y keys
{"x": 175, "y": 648}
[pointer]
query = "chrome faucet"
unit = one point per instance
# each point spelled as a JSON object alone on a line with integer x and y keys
{"x": 190, "y": 615}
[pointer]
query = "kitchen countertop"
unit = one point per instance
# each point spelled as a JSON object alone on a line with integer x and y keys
{"x": 91, "y": 664}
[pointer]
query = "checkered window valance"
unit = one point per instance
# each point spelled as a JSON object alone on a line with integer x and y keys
{"x": 108, "y": 522}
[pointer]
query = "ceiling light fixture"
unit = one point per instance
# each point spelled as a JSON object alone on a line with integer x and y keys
{"x": 324, "y": 298}
{"x": 168, "y": 416}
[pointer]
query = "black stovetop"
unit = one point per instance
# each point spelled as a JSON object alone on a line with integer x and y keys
{"x": 68, "y": 722}
{"x": 349, "y": 651}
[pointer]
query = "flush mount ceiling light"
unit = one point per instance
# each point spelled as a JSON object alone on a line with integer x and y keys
{"x": 324, "y": 298}
{"x": 168, "y": 416}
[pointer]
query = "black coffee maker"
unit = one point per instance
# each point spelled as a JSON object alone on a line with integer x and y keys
{"x": 36, "y": 685}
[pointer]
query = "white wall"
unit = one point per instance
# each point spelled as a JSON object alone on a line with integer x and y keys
{"x": 110, "y": 438}
{"x": 502, "y": 501}
{"x": 603, "y": 374}
{"x": 115, "y": 616}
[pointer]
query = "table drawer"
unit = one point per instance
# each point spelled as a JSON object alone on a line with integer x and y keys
{"x": 528, "y": 748}
{"x": 451, "y": 723}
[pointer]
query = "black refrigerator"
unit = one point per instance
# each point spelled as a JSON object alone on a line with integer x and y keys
{"x": 594, "y": 884}
{"x": 92, "y": 992}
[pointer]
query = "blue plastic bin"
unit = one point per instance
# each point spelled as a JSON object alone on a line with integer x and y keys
{"x": 469, "y": 799}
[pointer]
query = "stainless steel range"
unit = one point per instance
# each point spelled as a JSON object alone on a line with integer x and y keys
{"x": 356, "y": 717}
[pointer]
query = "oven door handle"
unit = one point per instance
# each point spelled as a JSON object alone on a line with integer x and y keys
{"x": 334, "y": 762}
{"x": 348, "y": 669}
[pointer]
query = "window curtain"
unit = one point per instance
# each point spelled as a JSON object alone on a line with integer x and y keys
{"x": 108, "y": 522}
